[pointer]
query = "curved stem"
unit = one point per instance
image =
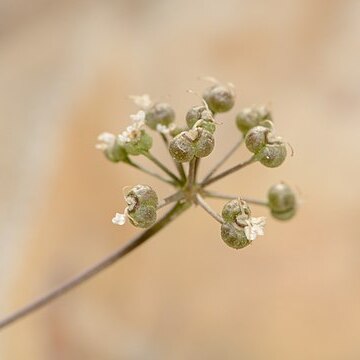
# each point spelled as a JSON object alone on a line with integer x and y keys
{"x": 216, "y": 195}
{"x": 222, "y": 161}
{"x": 162, "y": 167}
{"x": 97, "y": 268}
{"x": 228, "y": 172}
{"x": 146, "y": 171}
{"x": 200, "y": 200}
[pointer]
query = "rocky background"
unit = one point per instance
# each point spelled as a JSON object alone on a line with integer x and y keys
{"x": 66, "y": 69}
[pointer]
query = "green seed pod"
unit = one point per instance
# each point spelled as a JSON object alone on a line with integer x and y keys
{"x": 219, "y": 98}
{"x": 234, "y": 236}
{"x": 182, "y": 148}
{"x": 159, "y": 113}
{"x": 233, "y": 208}
{"x": 116, "y": 152}
{"x": 194, "y": 115}
{"x": 204, "y": 143}
{"x": 256, "y": 138}
{"x": 282, "y": 201}
{"x": 251, "y": 117}
{"x": 141, "y": 195}
{"x": 138, "y": 144}
{"x": 208, "y": 125}
{"x": 286, "y": 215}
{"x": 143, "y": 216}
{"x": 272, "y": 155}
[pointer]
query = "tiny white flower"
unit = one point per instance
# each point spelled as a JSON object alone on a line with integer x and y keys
{"x": 133, "y": 131}
{"x": 119, "y": 219}
{"x": 255, "y": 227}
{"x": 138, "y": 117}
{"x": 143, "y": 101}
{"x": 107, "y": 141}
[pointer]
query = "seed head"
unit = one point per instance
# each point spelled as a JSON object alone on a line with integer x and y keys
{"x": 257, "y": 138}
{"x": 141, "y": 195}
{"x": 159, "y": 113}
{"x": 220, "y": 98}
{"x": 233, "y": 236}
{"x": 182, "y": 148}
{"x": 204, "y": 144}
{"x": 112, "y": 148}
{"x": 251, "y": 117}
{"x": 282, "y": 201}
{"x": 233, "y": 208}
{"x": 143, "y": 216}
{"x": 272, "y": 155}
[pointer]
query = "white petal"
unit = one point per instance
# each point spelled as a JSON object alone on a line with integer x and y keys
{"x": 250, "y": 234}
{"x": 106, "y": 137}
{"x": 119, "y": 219}
{"x": 258, "y": 221}
{"x": 138, "y": 117}
{"x": 123, "y": 138}
{"x": 259, "y": 230}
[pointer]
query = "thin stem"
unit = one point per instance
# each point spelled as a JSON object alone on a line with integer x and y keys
{"x": 177, "y": 209}
{"x": 146, "y": 171}
{"x": 200, "y": 200}
{"x": 162, "y": 167}
{"x": 228, "y": 172}
{"x": 192, "y": 169}
{"x": 170, "y": 199}
{"x": 178, "y": 165}
{"x": 222, "y": 161}
{"x": 216, "y": 195}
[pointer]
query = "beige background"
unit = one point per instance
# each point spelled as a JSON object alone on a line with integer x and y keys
{"x": 66, "y": 69}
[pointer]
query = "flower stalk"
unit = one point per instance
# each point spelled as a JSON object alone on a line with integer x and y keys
{"x": 238, "y": 227}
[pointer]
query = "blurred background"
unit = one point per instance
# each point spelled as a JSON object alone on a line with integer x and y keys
{"x": 66, "y": 70}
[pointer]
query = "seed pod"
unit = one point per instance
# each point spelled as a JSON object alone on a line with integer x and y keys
{"x": 272, "y": 155}
{"x": 116, "y": 152}
{"x": 141, "y": 195}
{"x": 159, "y": 113}
{"x": 143, "y": 216}
{"x": 234, "y": 236}
{"x": 208, "y": 125}
{"x": 251, "y": 117}
{"x": 194, "y": 115}
{"x": 256, "y": 138}
{"x": 282, "y": 201}
{"x": 233, "y": 208}
{"x": 204, "y": 143}
{"x": 138, "y": 144}
{"x": 182, "y": 148}
{"x": 219, "y": 98}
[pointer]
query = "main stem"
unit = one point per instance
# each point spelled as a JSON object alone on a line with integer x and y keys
{"x": 177, "y": 209}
